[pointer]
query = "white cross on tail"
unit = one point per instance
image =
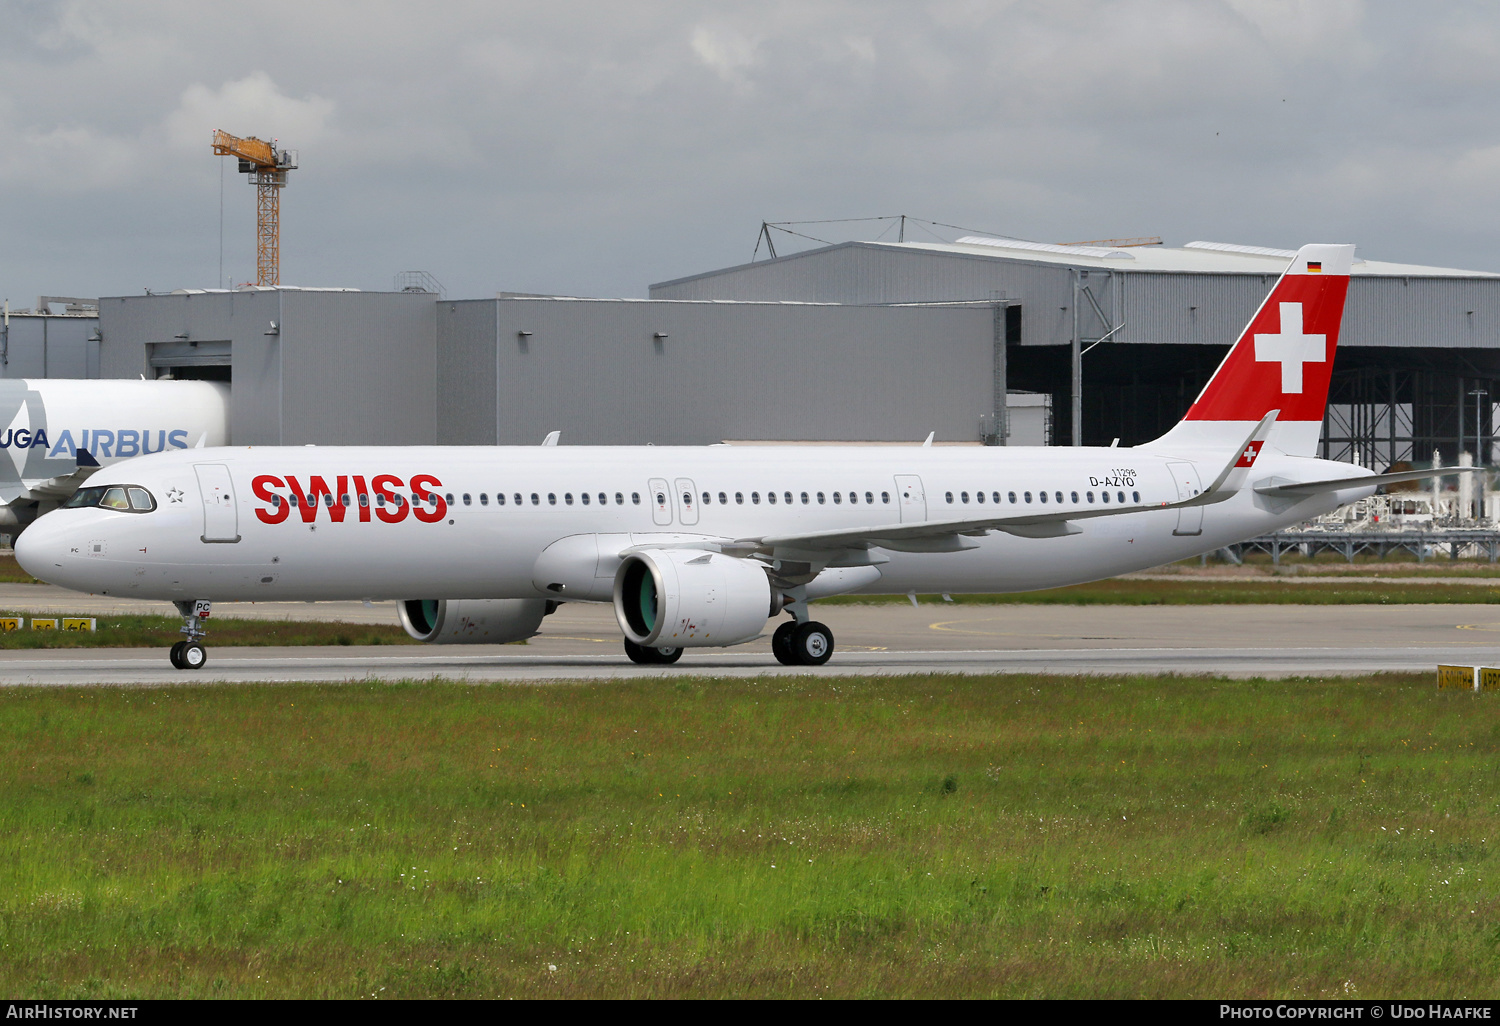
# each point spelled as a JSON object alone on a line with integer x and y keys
{"x": 1291, "y": 348}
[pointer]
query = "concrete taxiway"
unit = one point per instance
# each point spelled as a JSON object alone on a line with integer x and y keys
{"x": 582, "y": 642}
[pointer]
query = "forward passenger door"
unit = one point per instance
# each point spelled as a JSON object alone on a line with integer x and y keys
{"x": 221, "y": 522}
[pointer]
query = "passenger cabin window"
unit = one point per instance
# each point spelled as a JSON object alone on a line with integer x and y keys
{"x": 567, "y": 498}
{"x": 1135, "y": 496}
{"x": 804, "y": 498}
{"x": 1075, "y": 496}
{"x": 739, "y": 498}
{"x": 871, "y": 499}
{"x": 1012, "y": 497}
{"x": 821, "y": 501}
{"x": 836, "y": 499}
{"x": 584, "y": 498}
{"x": 885, "y": 497}
{"x": 771, "y": 497}
{"x": 755, "y": 498}
{"x": 484, "y": 500}
{"x": 788, "y": 497}
{"x": 949, "y": 497}
{"x": 635, "y": 498}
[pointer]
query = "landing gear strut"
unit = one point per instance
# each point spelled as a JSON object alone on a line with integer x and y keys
{"x": 190, "y": 654}
{"x": 802, "y": 641}
{"x": 651, "y": 656}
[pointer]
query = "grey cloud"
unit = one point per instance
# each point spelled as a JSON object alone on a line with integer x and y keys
{"x": 593, "y": 147}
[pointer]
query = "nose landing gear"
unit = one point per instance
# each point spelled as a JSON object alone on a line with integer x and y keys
{"x": 190, "y": 653}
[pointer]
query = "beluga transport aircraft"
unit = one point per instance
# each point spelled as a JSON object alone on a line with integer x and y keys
{"x": 701, "y": 547}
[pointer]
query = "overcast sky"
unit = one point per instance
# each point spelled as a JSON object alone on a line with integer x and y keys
{"x": 594, "y": 148}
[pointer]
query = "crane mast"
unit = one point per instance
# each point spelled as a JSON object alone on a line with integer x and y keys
{"x": 266, "y": 167}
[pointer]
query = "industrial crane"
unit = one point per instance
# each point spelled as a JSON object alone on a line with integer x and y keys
{"x": 267, "y": 167}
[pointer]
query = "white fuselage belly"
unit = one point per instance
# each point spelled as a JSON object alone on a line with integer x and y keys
{"x": 490, "y": 550}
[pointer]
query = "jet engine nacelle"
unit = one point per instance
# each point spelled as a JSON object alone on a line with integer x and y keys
{"x": 688, "y": 598}
{"x": 472, "y": 621}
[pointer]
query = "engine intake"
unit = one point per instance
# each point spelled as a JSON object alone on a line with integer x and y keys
{"x": 688, "y": 598}
{"x": 472, "y": 621}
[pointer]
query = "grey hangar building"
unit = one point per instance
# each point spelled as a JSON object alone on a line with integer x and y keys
{"x": 981, "y": 341}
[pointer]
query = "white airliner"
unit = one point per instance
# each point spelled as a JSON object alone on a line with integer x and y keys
{"x": 55, "y": 432}
{"x": 700, "y": 547}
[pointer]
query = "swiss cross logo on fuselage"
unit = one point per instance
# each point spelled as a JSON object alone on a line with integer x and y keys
{"x": 386, "y": 497}
{"x": 1247, "y": 458}
{"x": 1291, "y": 348}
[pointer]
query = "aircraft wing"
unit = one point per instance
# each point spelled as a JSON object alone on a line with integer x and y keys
{"x": 933, "y": 535}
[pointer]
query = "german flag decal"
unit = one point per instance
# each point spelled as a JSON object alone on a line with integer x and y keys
{"x": 1315, "y": 267}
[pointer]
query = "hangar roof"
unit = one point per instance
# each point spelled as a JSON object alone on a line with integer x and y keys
{"x": 1207, "y": 257}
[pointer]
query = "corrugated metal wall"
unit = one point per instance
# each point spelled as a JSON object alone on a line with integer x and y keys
{"x": 596, "y": 371}
{"x": 466, "y": 370}
{"x": 51, "y": 347}
{"x": 325, "y": 368}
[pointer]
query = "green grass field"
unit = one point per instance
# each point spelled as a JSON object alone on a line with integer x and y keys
{"x": 935, "y": 836}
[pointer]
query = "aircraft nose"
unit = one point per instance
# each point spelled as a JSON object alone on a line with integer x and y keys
{"x": 41, "y": 548}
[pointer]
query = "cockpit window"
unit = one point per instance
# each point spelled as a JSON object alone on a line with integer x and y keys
{"x": 127, "y": 498}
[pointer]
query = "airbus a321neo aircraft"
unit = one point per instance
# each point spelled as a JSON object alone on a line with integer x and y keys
{"x": 699, "y": 547}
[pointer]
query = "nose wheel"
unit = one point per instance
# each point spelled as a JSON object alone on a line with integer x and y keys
{"x": 802, "y": 644}
{"x": 189, "y": 654}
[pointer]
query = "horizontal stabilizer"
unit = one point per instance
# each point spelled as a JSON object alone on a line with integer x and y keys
{"x": 1334, "y": 484}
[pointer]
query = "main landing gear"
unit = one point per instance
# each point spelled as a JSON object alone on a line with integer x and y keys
{"x": 651, "y": 656}
{"x": 808, "y": 643}
{"x": 190, "y": 654}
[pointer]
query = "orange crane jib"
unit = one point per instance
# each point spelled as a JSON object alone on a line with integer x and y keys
{"x": 256, "y": 151}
